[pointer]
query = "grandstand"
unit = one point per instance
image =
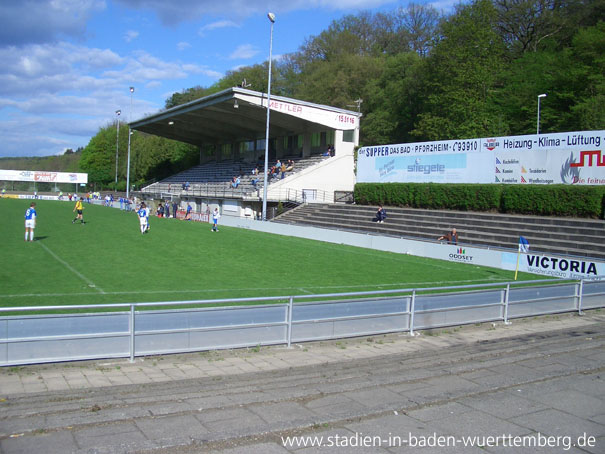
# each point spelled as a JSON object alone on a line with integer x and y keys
{"x": 214, "y": 178}
{"x": 569, "y": 236}
{"x": 229, "y": 129}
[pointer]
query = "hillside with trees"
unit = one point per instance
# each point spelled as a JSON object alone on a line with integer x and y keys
{"x": 421, "y": 75}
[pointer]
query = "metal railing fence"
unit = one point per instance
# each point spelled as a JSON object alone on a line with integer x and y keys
{"x": 124, "y": 330}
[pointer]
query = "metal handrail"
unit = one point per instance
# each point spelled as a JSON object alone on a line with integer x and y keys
{"x": 283, "y": 319}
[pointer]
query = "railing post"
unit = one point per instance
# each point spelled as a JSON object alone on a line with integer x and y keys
{"x": 132, "y": 330}
{"x": 412, "y": 309}
{"x": 506, "y": 294}
{"x": 290, "y": 307}
{"x": 580, "y": 292}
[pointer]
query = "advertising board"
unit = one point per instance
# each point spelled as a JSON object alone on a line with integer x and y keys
{"x": 558, "y": 158}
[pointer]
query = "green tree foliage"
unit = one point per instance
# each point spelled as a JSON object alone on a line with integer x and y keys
{"x": 589, "y": 58}
{"x": 98, "y": 157}
{"x": 151, "y": 157}
{"x": 462, "y": 73}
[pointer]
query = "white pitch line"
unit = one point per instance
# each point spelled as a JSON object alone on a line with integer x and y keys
{"x": 72, "y": 269}
{"x": 302, "y": 289}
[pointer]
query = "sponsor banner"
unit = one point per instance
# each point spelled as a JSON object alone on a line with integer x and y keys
{"x": 43, "y": 176}
{"x": 555, "y": 266}
{"x": 562, "y": 158}
{"x": 344, "y": 120}
{"x": 37, "y": 197}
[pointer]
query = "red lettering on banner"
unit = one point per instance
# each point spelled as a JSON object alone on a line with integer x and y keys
{"x": 599, "y": 160}
{"x": 45, "y": 176}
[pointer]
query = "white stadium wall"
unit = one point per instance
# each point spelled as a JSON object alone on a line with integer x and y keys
{"x": 560, "y": 158}
{"x": 544, "y": 264}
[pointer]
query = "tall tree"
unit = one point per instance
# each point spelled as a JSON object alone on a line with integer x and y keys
{"x": 393, "y": 100}
{"x": 98, "y": 157}
{"x": 462, "y": 72}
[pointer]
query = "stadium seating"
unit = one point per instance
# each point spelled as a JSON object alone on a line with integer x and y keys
{"x": 214, "y": 178}
{"x": 580, "y": 237}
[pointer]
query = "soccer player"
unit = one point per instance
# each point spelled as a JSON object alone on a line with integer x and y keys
{"x": 79, "y": 208}
{"x": 143, "y": 215}
{"x": 30, "y": 221}
{"x": 215, "y": 216}
{"x": 147, "y": 211}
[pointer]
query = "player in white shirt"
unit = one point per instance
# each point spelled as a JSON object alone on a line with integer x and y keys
{"x": 143, "y": 214}
{"x": 215, "y": 218}
{"x": 30, "y": 221}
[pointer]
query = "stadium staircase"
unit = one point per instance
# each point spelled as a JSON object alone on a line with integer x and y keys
{"x": 569, "y": 236}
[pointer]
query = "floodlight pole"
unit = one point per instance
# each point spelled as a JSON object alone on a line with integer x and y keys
{"x": 118, "y": 112}
{"x": 543, "y": 95}
{"x": 271, "y": 17}
{"x": 129, "y": 134}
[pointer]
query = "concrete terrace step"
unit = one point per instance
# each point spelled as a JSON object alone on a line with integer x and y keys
{"x": 496, "y": 231}
{"x": 385, "y": 229}
{"x": 581, "y": 237}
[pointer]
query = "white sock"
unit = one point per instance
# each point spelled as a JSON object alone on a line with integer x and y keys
{"x": 26, "y": 232}
{"x": 31, "y": 234}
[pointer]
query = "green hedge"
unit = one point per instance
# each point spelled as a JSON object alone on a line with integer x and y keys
{"x": 551, "y": 200}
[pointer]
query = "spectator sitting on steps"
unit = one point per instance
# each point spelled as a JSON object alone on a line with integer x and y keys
{"x": 381, "y": 215}
{"x": 451, "y": 237}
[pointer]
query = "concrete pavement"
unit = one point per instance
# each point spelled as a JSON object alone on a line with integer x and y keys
{"x": 534, "y": 379}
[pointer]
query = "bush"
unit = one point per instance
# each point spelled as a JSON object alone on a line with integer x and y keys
{"x": 552, "y": 200}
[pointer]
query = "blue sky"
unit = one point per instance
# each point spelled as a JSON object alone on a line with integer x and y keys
{"x": 67, "y": 65}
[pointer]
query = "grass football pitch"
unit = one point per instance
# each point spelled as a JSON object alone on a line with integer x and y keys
{"x": 108, "y": 260}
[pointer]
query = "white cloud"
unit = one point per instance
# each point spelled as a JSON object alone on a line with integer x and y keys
{"x": 131, "y": 35}
{"x": 37, "y": 69}
{"x": 38, "y": 21}
{"x": 56, "y": 96}
{"x": 183, "y": 46}
{"x": 217, "y": 25}
{"x": 244, "y": 51}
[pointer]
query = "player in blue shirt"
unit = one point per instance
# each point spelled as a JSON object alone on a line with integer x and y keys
{"x": 142, "y": 214}
{"x": 147, "y": 211}
{"x": 30, "y": 221}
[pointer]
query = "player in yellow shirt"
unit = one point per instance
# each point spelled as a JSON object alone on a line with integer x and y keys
{"x": 79, "y": 208}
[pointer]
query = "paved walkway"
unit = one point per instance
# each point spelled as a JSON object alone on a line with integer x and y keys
{"x": 154, "y": 369}
{"x": 541, "y": 377}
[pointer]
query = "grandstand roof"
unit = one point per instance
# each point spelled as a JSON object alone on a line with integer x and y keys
{"x": 237, "y": 114}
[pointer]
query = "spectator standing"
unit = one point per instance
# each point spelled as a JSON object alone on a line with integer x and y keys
{"x": 30, "y": 221}
{"x": 451, "y": 237}
{"x": 188, "y": 213}
{"x": 175, "y": 207}
{"x": 167, "y": 209}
